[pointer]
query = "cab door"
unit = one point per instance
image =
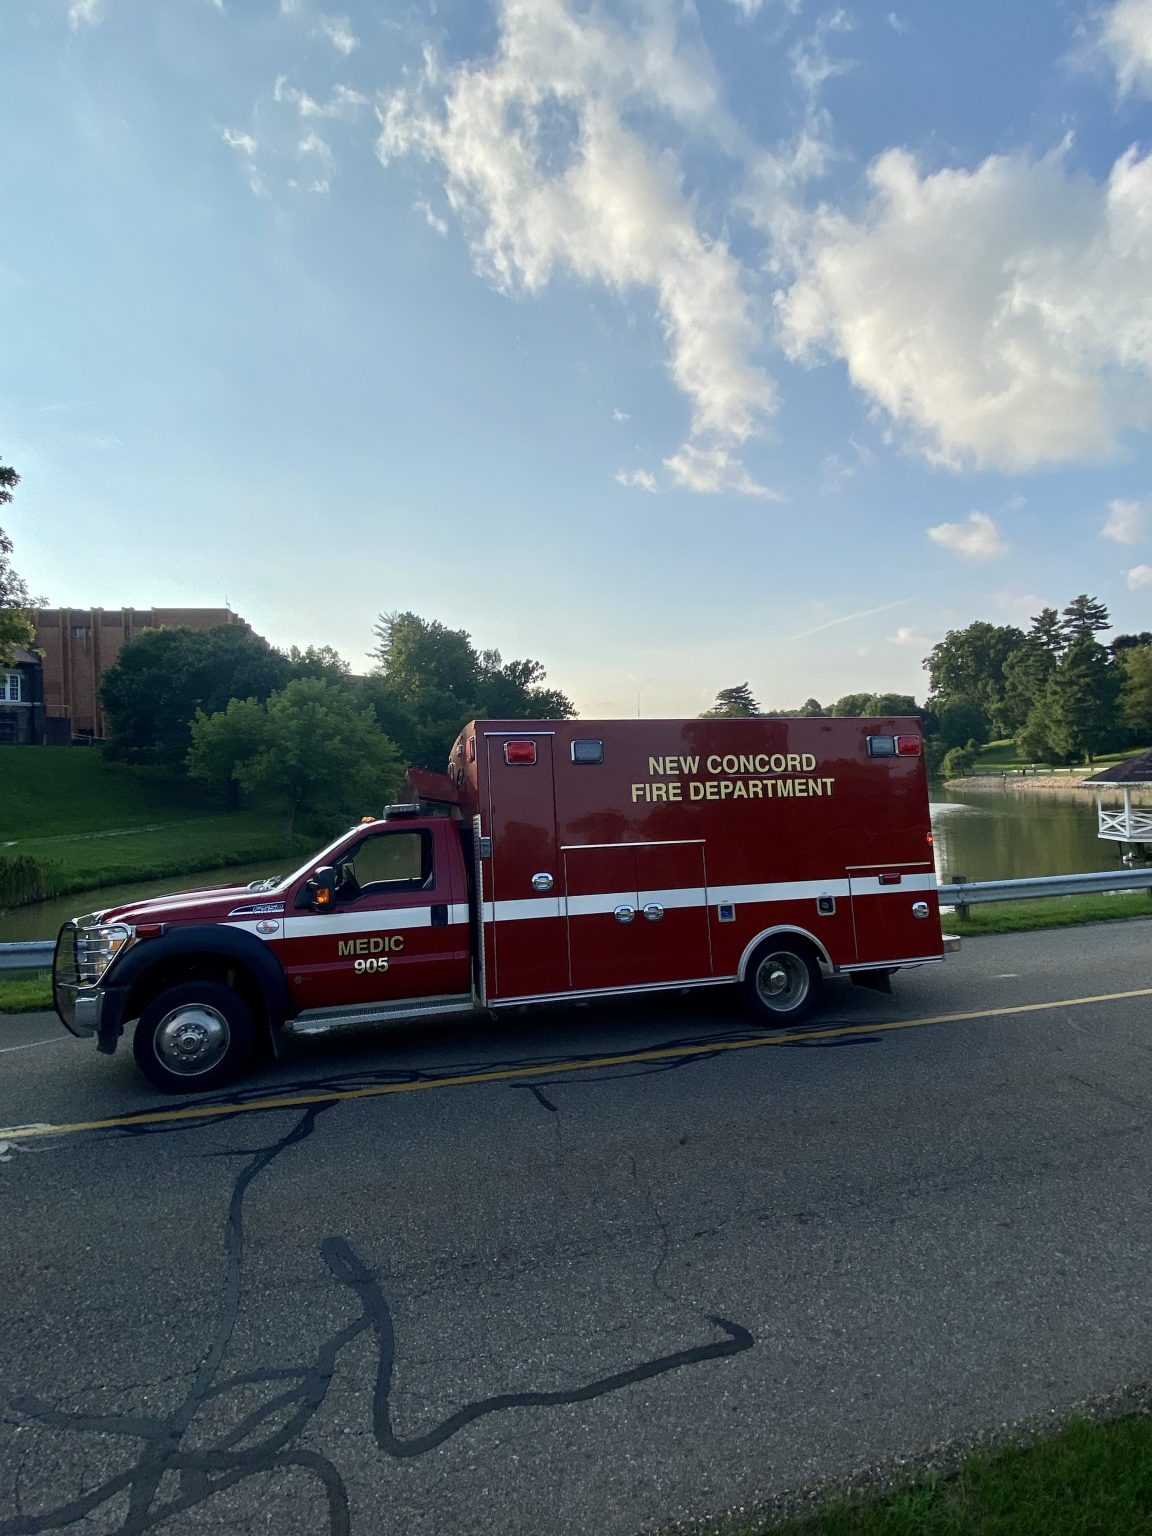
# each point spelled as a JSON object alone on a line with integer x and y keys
{"x": 396, "y": 928}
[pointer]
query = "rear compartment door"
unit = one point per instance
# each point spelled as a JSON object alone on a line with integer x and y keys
{"x": 673, "y": 903}
{"x": 886, "y": 908}
{"x": 637, "y": 915}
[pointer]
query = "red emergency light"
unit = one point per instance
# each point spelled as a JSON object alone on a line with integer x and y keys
{"x": 894, "y": 746}
{"x": 519, "y": 752}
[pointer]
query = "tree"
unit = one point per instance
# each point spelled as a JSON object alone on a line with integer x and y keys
{"x": 162, "y": 677}
{"x": 320, "y": 661}
{"x": 16, "y": 602}
{"x": 957, "y": 761}
{"x": 221, "y": 742}
{"x": 308, "y": 747}
{"x": 1083, "y": 619}
{"x": 1128, "y": 642}
{"x": 430, "y": 680}
{"x": 851, "y": 704}
{"x": 1080, "y": 703}
{"x": 733, "y": 704}
{"x": 969, "y": 664}
{"x": 1136, "y": 691}
{"x": 810, "y": 708}
{"x": 961, "y": 720}
{"x": 1026, "y": 676}
{"x": 1047, "y": 633}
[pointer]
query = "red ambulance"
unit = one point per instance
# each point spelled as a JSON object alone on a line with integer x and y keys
{"x": 554, "y": 860}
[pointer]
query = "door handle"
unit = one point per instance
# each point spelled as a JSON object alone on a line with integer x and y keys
{"x": 624, "y": 914}
{"x": 542, "y": 882}
{"x": 653, "y": 911}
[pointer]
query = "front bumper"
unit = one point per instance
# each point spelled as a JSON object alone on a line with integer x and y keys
{"x": 79, "y": 1009}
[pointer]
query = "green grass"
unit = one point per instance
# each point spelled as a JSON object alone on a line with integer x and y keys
{"x": 20, "y": 994}
{"x": 1048, "y": 912}
{"x": 95, "y": 823}
{"x": 1003, "y": 757}
{"x": 1088, "y": 1480}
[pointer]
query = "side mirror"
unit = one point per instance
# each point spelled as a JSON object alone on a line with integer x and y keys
{"x": 322, "y": 887}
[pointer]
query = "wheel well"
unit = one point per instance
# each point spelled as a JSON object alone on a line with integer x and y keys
{"x": 196, "y": 967}
{"x": 796, "y": 938}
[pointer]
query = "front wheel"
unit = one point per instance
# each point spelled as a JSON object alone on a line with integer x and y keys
{"x": 194, "y": 1037}
{"x": 782, "y": 983}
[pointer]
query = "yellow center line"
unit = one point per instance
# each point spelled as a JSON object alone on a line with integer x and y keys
{"x": 551, "y": 1069}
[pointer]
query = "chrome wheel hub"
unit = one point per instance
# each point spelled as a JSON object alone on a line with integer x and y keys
{"x": 191, "y": 1039}
{"x": 781, "y": 980}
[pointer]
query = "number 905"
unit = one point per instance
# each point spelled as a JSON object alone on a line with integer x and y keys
{"x": 361, "y": 967}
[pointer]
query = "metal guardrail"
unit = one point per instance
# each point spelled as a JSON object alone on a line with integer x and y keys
{"x": 961, "y": 893}
{"x": 36, "y": 954}
{"x": 31, "y": 955}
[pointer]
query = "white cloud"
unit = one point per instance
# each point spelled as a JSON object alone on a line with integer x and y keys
{"x": 313, "y": 144}
{"x": 910, "y": 639}
{"x": 638, "y": 477}
{"x": 430, "y": 217}
{"x": 338, "y": 32}
{"x": 545, "y": 171}
{"x": 1001, "y": 315}
{"x": 1128, "y": 522}
{"x": 344, "y": 103}
{"x": 977, "y": 539}
{"x": 241, "y": 141}
{"x": 711, "y": 470}
{"x": 897, "y": 22}
{"x": 1139, "y": 576}
{"x": 85, "y": 13}
{"x": 1126, "y": 37}
{"x": 618, "y": 415}
{"x": 811, "y": 66}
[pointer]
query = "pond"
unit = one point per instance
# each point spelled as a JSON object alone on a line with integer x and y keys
{"x": 1006, "y": 834}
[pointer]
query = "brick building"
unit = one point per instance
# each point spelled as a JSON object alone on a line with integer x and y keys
{"x": 80, "y": 644}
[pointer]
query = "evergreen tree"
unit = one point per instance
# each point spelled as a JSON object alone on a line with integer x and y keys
{"x": 733, "y": 704}
{"x": 1081, "y": 699}
{"x": 1084, "y": 618}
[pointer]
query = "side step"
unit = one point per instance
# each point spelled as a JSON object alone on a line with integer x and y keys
{"x": 315, "y": 1020}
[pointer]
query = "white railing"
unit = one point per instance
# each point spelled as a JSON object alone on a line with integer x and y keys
{"x": 1130, "y": 825}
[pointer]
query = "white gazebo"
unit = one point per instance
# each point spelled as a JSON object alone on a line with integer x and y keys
{"x": 1133, "y": 824}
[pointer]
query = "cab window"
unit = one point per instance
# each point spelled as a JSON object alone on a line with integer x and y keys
{"x": 383, "y": 864}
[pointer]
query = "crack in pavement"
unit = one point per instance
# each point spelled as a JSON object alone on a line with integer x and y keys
{"x": 297, "y": 1392}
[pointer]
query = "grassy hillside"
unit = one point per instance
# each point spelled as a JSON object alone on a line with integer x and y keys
{"x": 91, "y": 822}
{"x": 1004, "y": 757}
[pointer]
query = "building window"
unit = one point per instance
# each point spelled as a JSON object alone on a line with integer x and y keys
{"x": 81, "y": 631}
{"x": 9, "y": 688}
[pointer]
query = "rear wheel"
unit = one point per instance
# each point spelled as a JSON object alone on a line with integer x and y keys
{"x": 782, "y": 983}
{"x": 194, "y": 1037}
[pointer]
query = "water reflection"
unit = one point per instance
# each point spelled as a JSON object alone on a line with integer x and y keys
{"x": 1004, "y": 834}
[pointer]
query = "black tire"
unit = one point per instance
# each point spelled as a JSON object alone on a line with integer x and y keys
{"x": 194, "y": 1037}
{"x": 782, "y": 984}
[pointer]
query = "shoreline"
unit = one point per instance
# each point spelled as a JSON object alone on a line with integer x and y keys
{"x": 1043, "y": 782}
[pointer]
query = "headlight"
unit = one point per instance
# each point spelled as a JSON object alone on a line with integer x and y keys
{"x": 96, "y": 948}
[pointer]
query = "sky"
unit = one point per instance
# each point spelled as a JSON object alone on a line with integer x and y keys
{"x": 674, "y": 345}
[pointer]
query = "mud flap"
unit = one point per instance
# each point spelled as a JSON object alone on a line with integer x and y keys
{"x": 875, "y": 981}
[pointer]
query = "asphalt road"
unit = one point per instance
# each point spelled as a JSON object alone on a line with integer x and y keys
{"x": 571, "y": 1297}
